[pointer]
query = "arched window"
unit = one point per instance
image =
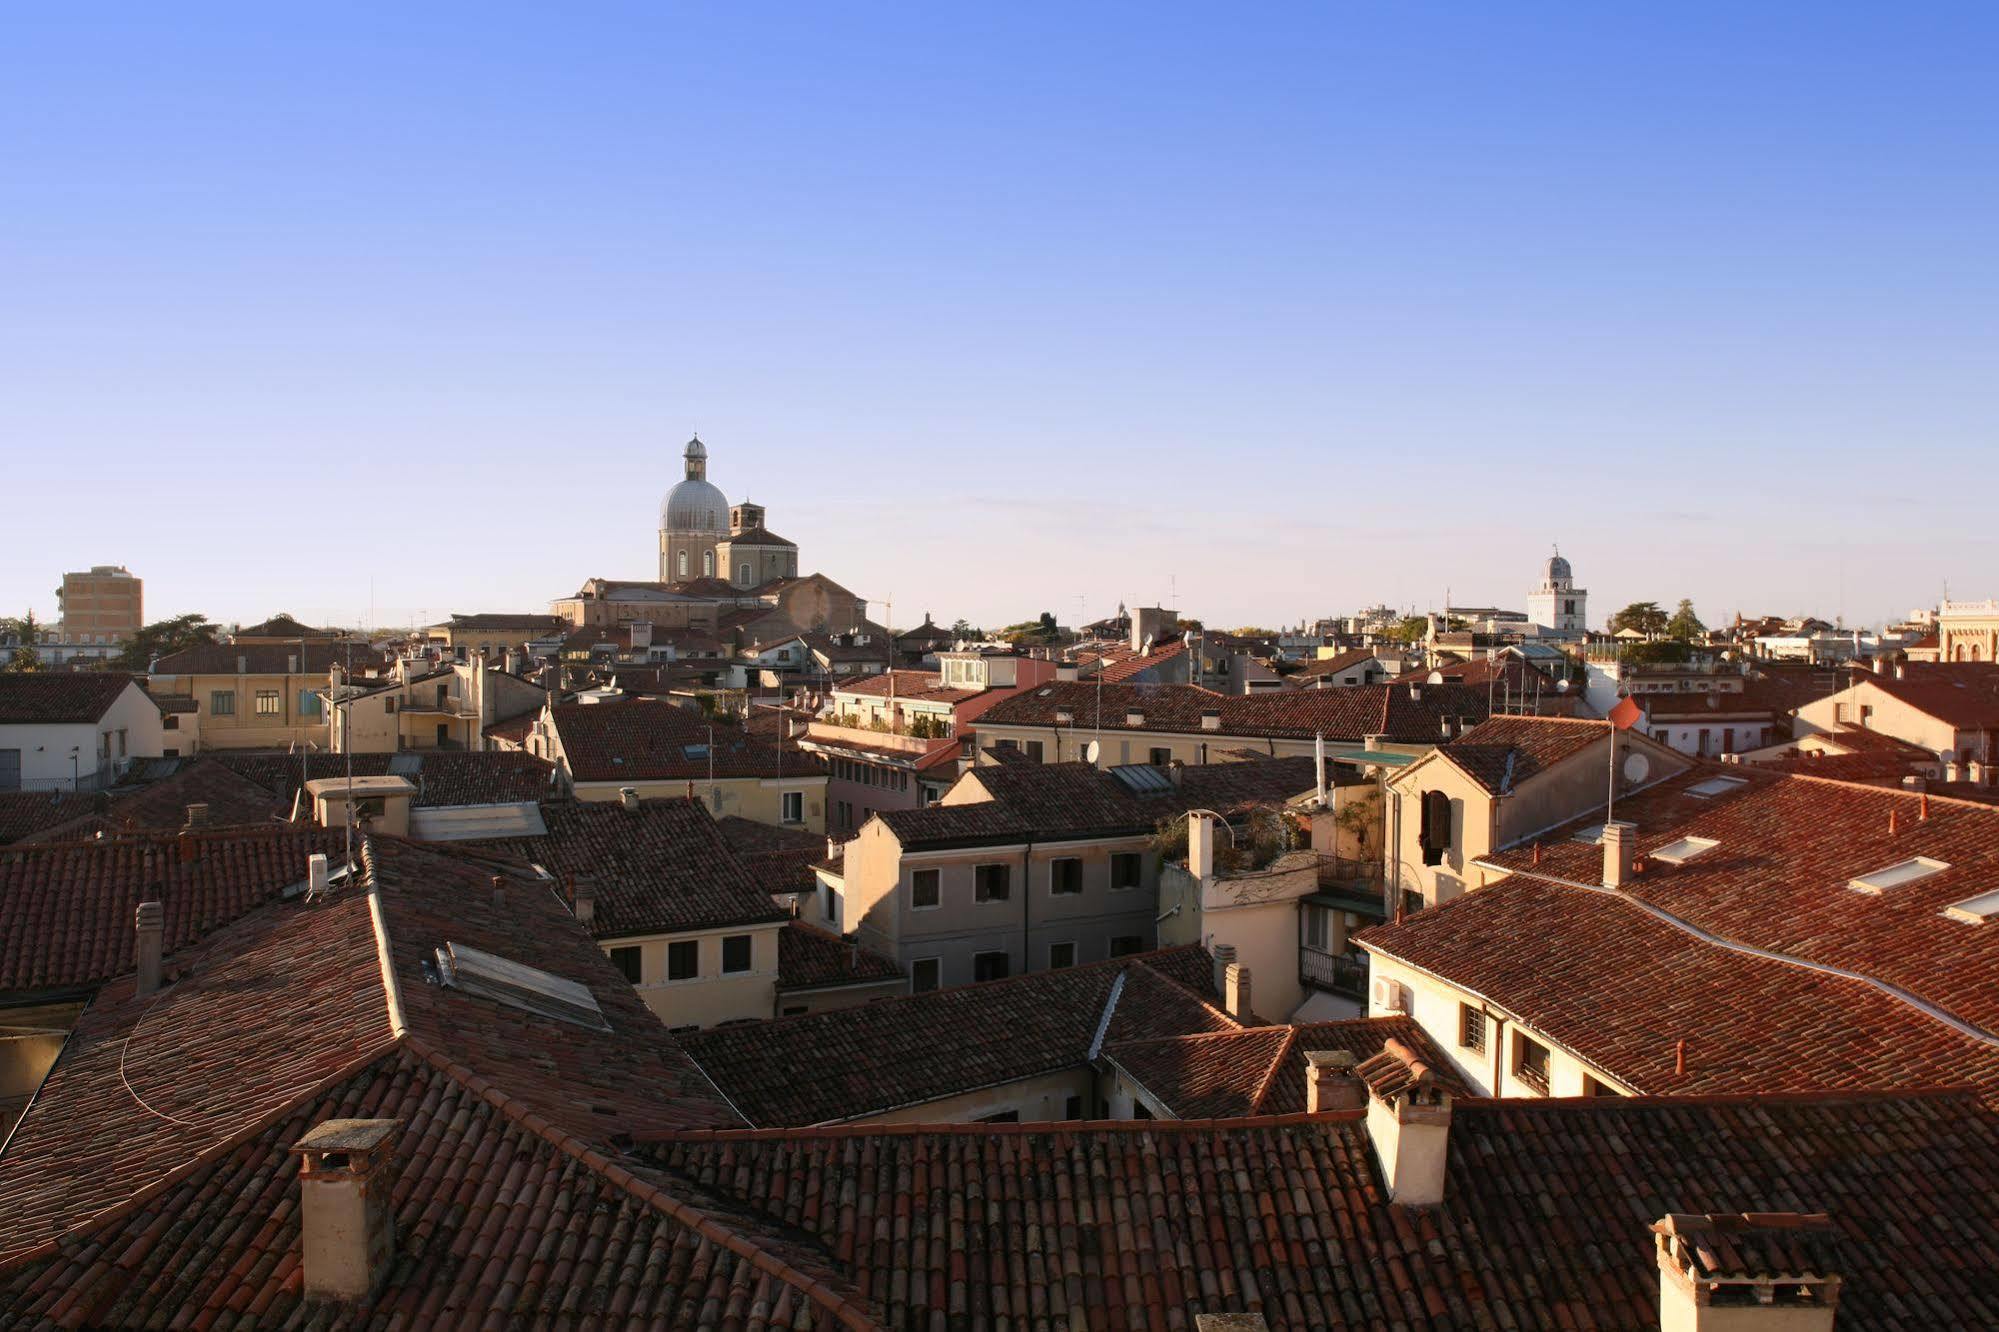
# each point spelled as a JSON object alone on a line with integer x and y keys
{"x": 683, "y": 564}
{"x": 743, "y": 574}
{"x": 707, "y": 564}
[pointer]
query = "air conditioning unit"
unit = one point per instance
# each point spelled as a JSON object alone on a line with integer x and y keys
{"x": 1386, "y": 996}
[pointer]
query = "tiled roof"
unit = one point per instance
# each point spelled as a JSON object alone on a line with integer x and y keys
{"x": 809, "y": 957}
{"x": 910, "y": 686}
{"x": 161, "y": 806}
{"x": 1964, "y": 695}
{"x": 1345, "y": 661}
{"x": 1621, "y": 989}
{"x": 659, "y": 868}
{"x": 1258, "y": 1070}
{"x": 163, "y": 1134}
{"x": 25, "y": 813}
{"x": 282, "y": 625}
{"x": 47, "y": 698}
{"x": 514, "y": 730}
{"x": 757, "y": 536}
{"x": 1126, "y": 664}
{"x": 1777, "y": 879}
{"x": 1503, "y": 753}
{"x": 778, "y": 859}
{"x": 898, "y": 1052}
{"x": 1350, "y": 714}
{"x": 66, "y": 909}
{"x": 537, "y": 625}
{"x": 442, "y": 777}
{"x": 646, "y": 740}
{"x": 1045, "y": 801}
{"x": 355, "y": 659}
{"x": 1545, "y": 1220}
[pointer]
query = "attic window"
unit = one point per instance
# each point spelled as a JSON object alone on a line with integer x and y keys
{"x": 1685, "y": 849}
{"x": 1715, "y": 786}
{"x": 1975, "y": 910}
{"x": 526, "y": 988}
{"x": 1908, "y": 871}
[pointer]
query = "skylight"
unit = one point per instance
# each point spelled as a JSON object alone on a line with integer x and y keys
{"x": 1590, "y": 836}
{"x": 1975, "y": 910}
{"x": 529, "y": 989}
{"x": 1715, "y": 786}
{"x": 695, "y": 751}
{"x": 1907, "y": 871}
{"x": 1685, "y": 849}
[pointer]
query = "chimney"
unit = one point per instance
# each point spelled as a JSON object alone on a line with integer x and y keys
{"x": 1409, "y": 1122}
{"x": 1901, "y": 671}
{"x": 1881, "y": 663}
{"x": 583, "y": 904}
{"x": 347, "y": 1222}
{"x": 1211, "y": 719}
{"x": 1330, "y": 1082}
{"x": 242, "y": 665}
{"x": 499, "y": 893}
{"x": 1201, "y": 849}
{"x": 1133, "y": 717}
{"x": 1975, "y": 772}
{"x": 1064, "y": 717}
{"x": 1066, "y": 671}
{"x": 1747, "y": 1272}
{"x": 628, "y": 796}
{"x": 1235, "y": 992}
{"x": 1950, "y": 770}
{"x": 335, "y": 676}
{"x": 1416, "y": 691}
{"x": 1913, "y": 783}
{"x": 150, "y": 924}
{"x": 197, "y": 815}
{"x": 317, "y": 881}
{"x": 1176, "y": 771}
{"x": 1620, "y": 846}
{"x": 1224, "y": 956}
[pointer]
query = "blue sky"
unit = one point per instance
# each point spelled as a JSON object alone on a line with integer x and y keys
{"x": 1282, "y": 310}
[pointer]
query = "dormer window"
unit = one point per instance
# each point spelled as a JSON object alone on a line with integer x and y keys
{"x": 1895, "y": 876}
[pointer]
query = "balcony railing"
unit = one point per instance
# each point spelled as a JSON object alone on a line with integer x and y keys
{"x": 1341, "y": 973}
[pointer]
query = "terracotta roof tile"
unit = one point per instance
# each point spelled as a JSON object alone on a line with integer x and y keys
{"x": 1258, "y": 1070}
{"x": 649, "y": 740}
{"x": 809, "y": 957}
{"x": 442, "y": 777}
{"x": 1502, "y": 753}
{"x": 45, "y": 698}
{"x": 1403, "y": 713}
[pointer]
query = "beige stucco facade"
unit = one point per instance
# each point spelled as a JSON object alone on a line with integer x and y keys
{"x": 1867, "y": 705}
{"x": 1968, "y": 631}
{"x": 1038, "y": 1100}
{"x": 710, "y": 996}
{"x": 1254, "y": 912}
{"x": 249, "y": 711}
{"x": 759, "y": 798}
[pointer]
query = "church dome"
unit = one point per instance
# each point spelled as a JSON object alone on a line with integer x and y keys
{"x": 1558, "y": 569}
{"x": 695, "y": 505}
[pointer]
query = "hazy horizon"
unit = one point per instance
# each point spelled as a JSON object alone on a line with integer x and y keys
{"x": 1004, "y": 312}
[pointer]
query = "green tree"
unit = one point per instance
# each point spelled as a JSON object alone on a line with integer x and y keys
{"x": 163, "y": 637}
{"x": 1685, "y": 625}
{"x": 24, "y": 631}
{"x": 1412, "y": 629}
{"x": 963, "y": 628}
{"x": 1643, "y": 616}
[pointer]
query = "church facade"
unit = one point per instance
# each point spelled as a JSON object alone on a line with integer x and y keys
{"x": 702, "y": 535}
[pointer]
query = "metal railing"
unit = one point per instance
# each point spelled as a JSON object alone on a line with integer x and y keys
{"x": 1341, "y": 973}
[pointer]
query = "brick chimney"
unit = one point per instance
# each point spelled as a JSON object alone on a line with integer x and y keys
{"x": 347, "y": 1236}
{"x": 1235, "y": 992}
{"x": 1201, "y": 851}
{"x": 1224, "y": 956}
{"x": 150, "y": 924}
{"x": 1330, "y": 1082}
{"x": 1409, "y": 1122}
{"x": 1620, "y": 847}
{"x": 1747, "y": 1272}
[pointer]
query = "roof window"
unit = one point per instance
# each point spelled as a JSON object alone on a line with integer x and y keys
{"x": 529, "y": 989}
{"x": 1907, "y": 871}
{"x": 1685, "y": 849}
{"x": 1975, "y": 910}
{"x": 1715, "y": 786}
{"x": 695, "y": 751}
{"x": 1590, "y": 836}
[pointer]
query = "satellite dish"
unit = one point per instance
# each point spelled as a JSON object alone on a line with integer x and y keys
{"x": 1636, "y": 766}
{"x": 1090, "y": 752}
{"x": 1562, "y": 686}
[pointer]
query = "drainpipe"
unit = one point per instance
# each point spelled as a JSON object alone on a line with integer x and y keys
{"x": 1498, "y": 1056}
{"x": 1027, "y": 907}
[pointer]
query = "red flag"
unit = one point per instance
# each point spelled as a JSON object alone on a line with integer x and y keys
{"x": 1626, "y": 714}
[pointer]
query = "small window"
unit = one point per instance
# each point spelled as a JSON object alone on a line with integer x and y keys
{"x": 683, "y": 959}
{"x": 1907, "y": 871}
{"x": 1065, "y": 876}
{"x": 626, "y": 960}
{"x": 269, "y": 703}
{"x": 1061, "y": 955}
{"x": 735, "y": 953}
{"x": 1032, "y": 749}
{"x": 1161, "y": 758}
{"x": 1471, "y": 1028}
{"x": 1124, "y": 945}
{"x": 1685, "y": 849}
{"x": 1138, "y": 1110}
{"x": 1317, "y": 924}
{"x": 1592, "y": 1087}
{"x": 1127, "y": 870}
{"x": 1072, "y": 1108}
{"x": 795, "y": 1010}
{"x": 991, "y": 883}
{"x": 308, "y": 703}
{"x": 792, "y": 804}
{"x": 1530, "y": 1062}
{"x": 990, "y": 966}
{"x": 222, "y": 703}
{"x": 924, "y": 892}
{"x": 926, "y": 973}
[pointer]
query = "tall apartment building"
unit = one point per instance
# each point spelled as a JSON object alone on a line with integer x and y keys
{"x": 103, "y": 605}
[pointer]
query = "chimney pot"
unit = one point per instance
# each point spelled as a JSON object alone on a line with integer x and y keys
{"x": 1703, "y": 1283}
{"x": 1411, "y": 1132}
{"x": 628, "y": 796}
{"x": 1620, "y": 844}
{"x": 1235, "y": 992}
{"x": 1224, "y": 956}
{"x": 149, "y": 923}
{"x": 1331, "y": 1083}
{"x": 347, "y": 1230}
